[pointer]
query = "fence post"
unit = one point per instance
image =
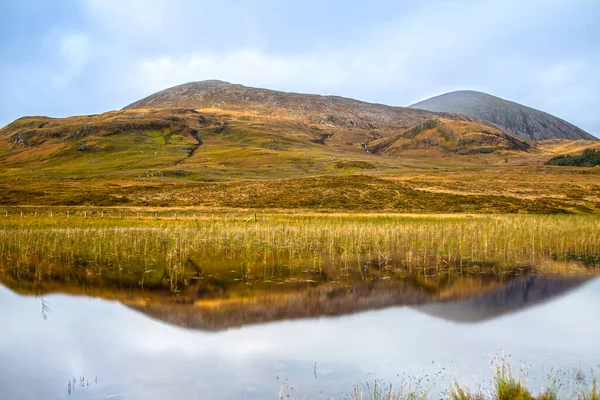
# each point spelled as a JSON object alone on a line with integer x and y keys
{"x": 120, "y": 214}
{"x": 51, "y": 214}
{"x": 21, "y": 213}
{"x": 85, "y": 214}
{"x": 35, "y": 213}
{"x": 68, "y": 214}
{"x": 155, "y": 215}
{"x": 254, "y": 217}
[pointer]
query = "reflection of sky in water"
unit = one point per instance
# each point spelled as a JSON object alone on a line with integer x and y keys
{"x": 137, "y": 357}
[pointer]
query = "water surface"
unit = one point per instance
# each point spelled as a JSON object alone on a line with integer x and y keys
{"x": 131, "y": 349}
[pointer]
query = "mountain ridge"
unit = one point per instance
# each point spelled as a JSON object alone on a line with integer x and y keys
{"x": 313, "y": 108}
{"x": 332, "y": 110}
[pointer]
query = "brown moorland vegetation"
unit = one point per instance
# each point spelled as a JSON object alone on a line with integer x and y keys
{"x": 224, "y": 159}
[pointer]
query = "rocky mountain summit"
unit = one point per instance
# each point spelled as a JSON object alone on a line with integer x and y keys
{"x": 333, "y": 111}
{"x": 520, "y": 120}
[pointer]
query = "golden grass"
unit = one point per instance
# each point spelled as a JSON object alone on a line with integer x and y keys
{"x": 505, "y": 386}
{"x": 152, "y": 252}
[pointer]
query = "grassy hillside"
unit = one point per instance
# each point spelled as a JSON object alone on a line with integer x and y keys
{"x": 448, "y": 136}
{"x": 223, "y": 159}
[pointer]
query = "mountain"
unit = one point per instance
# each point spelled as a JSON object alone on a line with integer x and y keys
{"x": 211, "y": 144}
{"x": 215, "y": 130}
{"x": 526, "y": 122}
{"x": 331, "y": 111}
{"x": 377, "y": 128}
{"x": 215, "y": 144}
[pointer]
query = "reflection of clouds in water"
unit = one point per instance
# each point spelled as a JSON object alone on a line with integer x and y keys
{"x": 142, "y": 358}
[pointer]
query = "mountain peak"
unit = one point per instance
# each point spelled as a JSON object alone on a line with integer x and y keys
{"x": 518, "y": 119}
{"x": 331, "y": 111}
{"x": 208, "y": 83}
{"x": 315, "y": 109}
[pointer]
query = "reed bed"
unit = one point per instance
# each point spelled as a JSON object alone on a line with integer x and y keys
{"x": 157, "y": 251}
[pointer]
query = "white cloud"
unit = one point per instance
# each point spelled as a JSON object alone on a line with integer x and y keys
{"x": 408, "y": 57}
{"x": 568, "y": 89}
{"x": 74, "y": 50}
{"x": 562, "y": 72}
{"x": 252, "y": 67}
{"x": 138, "y": 17}
{"x": 502, "y": 47}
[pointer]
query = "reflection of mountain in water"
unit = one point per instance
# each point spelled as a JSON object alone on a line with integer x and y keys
{"x": 480, "y": 303}
{"x": 321, "y": 301}
{"x": 467, "y": 298}
{"x": 514, "y": 296}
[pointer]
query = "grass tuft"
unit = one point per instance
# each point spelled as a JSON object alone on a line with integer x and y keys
{"x": 505, "y": 386}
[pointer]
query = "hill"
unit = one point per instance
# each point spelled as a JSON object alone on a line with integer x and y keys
{"x": 215, "y": 145}
{"x": 526, "y": 122}
{"x": 329, "y": 111}
{"x": 274, "y": 150}
{"x": 458, "y": 137}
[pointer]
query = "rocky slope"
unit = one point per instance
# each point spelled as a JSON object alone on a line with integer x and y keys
{"x": 332, "y": 111}
{"x": 448, "y": 136}
{"x": 518, "y": 119}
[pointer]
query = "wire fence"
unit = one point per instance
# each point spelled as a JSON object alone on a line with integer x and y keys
{"x": 126, "y": 214}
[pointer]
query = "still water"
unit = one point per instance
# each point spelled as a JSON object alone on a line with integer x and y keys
{"x": 107, "y": 349}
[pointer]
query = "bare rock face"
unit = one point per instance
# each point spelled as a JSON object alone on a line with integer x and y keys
{"x": 323, "y": 110}
{"x": 518, "y": 119}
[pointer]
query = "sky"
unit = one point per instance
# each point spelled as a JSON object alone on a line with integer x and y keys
{"x": 73, "y": 57}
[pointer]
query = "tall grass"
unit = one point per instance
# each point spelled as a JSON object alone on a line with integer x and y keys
{"x": 505, "y": 385}
{"x": 155, "y": 252}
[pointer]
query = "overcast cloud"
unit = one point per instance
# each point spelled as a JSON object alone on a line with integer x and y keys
{"x": 66, "y": 57}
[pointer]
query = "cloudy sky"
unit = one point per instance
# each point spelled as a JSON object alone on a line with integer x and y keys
{"x": 67, "y": 57}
